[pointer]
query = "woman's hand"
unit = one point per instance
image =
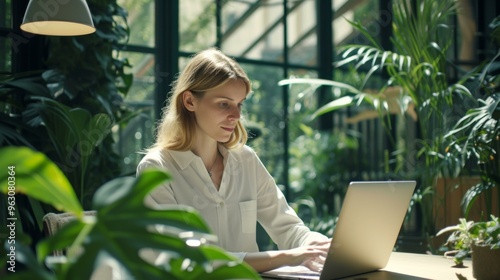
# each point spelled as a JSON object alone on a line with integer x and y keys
{"x": 311, "y": 256}
{"x": 316, "y": 242}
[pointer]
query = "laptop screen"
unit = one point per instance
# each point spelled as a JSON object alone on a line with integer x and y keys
{"x": 369, "y": 223}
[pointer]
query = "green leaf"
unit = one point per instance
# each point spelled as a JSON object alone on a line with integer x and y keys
{"x": 99, "y": 249}
{"x": 74, "y": 133}
{"x": 341, "y": 102}
{"x": 10, "y": 135}
{"x": 230, "y": 271}
{"x": 121, "y": 214}
{"x": 32, "y": 84}
{"x": 123, "y": 227}
{"x": 35, "y": 269}
{"x": 38, "y": 212}
{"x": 128, "y": 191}
{"x": 38, "y": 177}
{"x": 472, "y": 194}
{"x": 123, "y": 199}
{"x": 61, "y": 240}
{"x": 359, "y": 26}
{"x": 309, "y": 131}
{"x": 318, "y": 82}
{"x": 215, "y": 253}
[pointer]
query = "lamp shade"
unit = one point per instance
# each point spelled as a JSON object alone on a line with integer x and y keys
{"x": 58, "y": 17}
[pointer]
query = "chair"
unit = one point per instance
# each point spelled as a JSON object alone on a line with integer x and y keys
{"x": 52, "y": 222}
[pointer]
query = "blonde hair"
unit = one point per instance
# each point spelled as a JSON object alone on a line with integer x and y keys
{"x": 206, "y": 70}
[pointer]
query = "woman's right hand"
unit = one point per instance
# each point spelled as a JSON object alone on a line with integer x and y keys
{"x": 311, "y": 256}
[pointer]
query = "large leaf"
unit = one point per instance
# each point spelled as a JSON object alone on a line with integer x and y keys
{"x": 30, "y": 82}
{"x": 36, "y": 176}
{"x": 472, "y": 194}
{"x": 74, "y": 133}
{"x": 122, "y": 197}
{"x": 64, "y": 238}
{"x": 124, "y": 226}
{"x": 35, "y": 269}
{"x": 355, "y": 98}
{"x": 334, "y": 105}
{"x": 10, "y": 132}
{"x": 126, "y": 218}
{"x": 70, "y": 126}
{"x": 318, "y": 82}
{"x": 477, "y": 122}
{"x": 179, "y": 267}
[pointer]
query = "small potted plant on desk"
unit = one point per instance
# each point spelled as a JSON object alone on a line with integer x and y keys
{"x": 481, "y": 240}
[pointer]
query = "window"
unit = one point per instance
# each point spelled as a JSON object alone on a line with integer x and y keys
{"x": 5, "y": 41}
{"x": 268, "y": 47}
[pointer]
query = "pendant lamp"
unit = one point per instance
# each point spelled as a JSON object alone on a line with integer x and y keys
{"x": 58, "y": 18}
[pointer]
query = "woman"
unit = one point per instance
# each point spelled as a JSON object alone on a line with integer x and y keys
{"x": 201, "y": 143}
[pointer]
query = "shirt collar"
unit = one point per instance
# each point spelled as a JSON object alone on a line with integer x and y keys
{"x": 184, "y": 158}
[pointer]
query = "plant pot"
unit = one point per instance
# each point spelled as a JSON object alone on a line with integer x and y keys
{"x": 485, "y": 263}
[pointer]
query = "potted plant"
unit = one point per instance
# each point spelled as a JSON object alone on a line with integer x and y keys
{"x": 477, "y": 134}
{"x": 481, "y": 241}
{"x": 413, "y": 79}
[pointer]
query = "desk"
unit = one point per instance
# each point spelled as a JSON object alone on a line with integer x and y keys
{"x": 408, "y": 266}
{"x": 421, "y": 266}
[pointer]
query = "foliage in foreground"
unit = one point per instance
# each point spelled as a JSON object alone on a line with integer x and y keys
{"x": 120, "y": 229}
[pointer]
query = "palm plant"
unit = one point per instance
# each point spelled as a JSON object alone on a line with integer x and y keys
{"x": 418, "y": 68}
{"x": 477, "y": 134}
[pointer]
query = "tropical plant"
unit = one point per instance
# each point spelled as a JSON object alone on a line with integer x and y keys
{"x": 477, "y": 134}
{"x": 308, "y": 208}
{"x": 418, "y": 72}
{"x": 468, "y": 233}
{"x": 14, "y": 130}
{"x": 120, "y": 230}
{"x": 84, "y": 73}
{"x": 67, "y": 107}
{"x": 89, "y": 72}
{"x": 319, "y": 163}
{"x": 69, "y": 136}
{"x": 482, "y": 142}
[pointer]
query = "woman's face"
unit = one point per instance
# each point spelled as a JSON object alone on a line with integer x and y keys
{"x": 218, "y": 111}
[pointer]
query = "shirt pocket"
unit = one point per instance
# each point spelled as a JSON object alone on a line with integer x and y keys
{"x": 248, "y": 212}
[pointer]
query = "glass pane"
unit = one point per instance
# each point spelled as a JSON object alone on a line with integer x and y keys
{"x": 5, "y": 13}
{"x": 302, "y": 38}
{"x": 135, "y": 137}
{"x": 143, "y": 70}
{"x": 302, "y": 101}
{"x": 141, "y": 21}
{"x": 138, "y": 134}
{"x": 319, "y": 159}
{"x": 264, "y": 113}
{"x": 196, "y": 25}
{"x": 253, "y": 29}
{"x": 367, "y": 13}
{"x": 5, "y": 55}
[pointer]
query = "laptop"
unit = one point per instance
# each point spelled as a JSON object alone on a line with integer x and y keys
{"x": 367, "y": 229}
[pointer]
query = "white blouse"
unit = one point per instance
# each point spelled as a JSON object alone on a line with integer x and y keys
{"x": 248, "y": 194}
